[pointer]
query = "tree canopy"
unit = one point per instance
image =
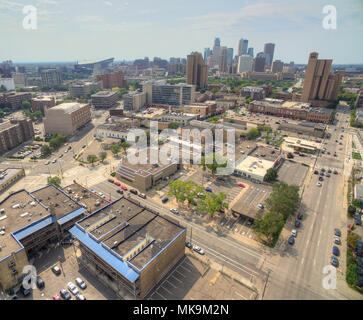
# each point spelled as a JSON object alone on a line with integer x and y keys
{"x": 54, "y": 180}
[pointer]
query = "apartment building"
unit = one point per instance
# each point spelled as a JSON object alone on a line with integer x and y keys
{"x": 134, "y": 100}
{"x": 66, "y": 118}
{"x": 167, "y": 94}
{"x": 256, "y": 93}
{"x": 51, "y": 78}
{"x": 42, "y": 103}
{"x": 104, "y": 99}
{"x": 15, "y": 99}
{"x": 10, "y": 176}
{"x": 14, "y": 132}
{"x": 112, "y": 80}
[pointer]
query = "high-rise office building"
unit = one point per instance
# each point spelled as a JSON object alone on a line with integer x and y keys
{"x": 216, "y": 51}
{"x": 319, "y": 83}
{"x": 277, "y": 66}
{"x": 269, "y": 50}
{"x": 217, "y": 42}
{"x": 259, "y": 62}
{"x": 223, "y": 60}
{"x": 242, "y": 47}
{"x": 207, "y": 53}
{"x": 197, "y": 70}
{"x": 229, "y": 56}
{"x": 250, "y": 52}
{"x": 245, "y": 62}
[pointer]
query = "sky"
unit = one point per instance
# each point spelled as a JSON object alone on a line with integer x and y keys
{"x": 77, "y": 30}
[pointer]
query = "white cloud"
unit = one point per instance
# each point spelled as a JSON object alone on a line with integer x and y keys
{"x": 108, "y": 3}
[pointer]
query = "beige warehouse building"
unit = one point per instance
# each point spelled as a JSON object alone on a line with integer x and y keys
{"x": 66, "y": 118}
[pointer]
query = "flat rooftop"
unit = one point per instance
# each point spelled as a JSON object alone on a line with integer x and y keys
{"x": 69, "y": 107}
{"x": 253, "y": 165}
{"x": 8, "y": 174}
{"x": 17, "y": 211}
{"x": 132, "y": 233}
{"x": 302, "y": 142}
{"x": 104, "y": 94}
{"x": 265, "y": 152}
{"x": 58, "y": 203}
{"x": 89, "y": 200}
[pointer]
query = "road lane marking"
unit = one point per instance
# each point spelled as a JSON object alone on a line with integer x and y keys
{"x": 238, "y": 294}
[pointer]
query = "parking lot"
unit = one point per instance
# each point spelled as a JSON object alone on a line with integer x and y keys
{"x": 292, "y": 173}
{"x": 190, "y": 280}
{"x": 65, "y": 259}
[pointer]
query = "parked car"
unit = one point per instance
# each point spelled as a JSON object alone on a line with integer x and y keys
{"x": 199, "y": 250}
{"x": 80, "y": 296}
{"x": 60, "y": 156}
{"x": 294, "y": 233}
{"x": 72, "y": 288}
{"x": 142, "y": 195}
{"x": 65, "y": 294}
{"x": 337, "y": 240}
{"x": 40, "y": 283}
{"x": 165, "y": 200}
{"x": 318, "y": 184}
{"x": 260, "y": 206}
{"x": 47, "y": 162}
{"x": 336, "y": 251}
{"x": 133, "y": 191}
{"x": 208, "y": 189}
{"x": 188, "y": 245}
{"x": 316, "y": 172}
{"x": 337, "y": 232}
{"x": 56, "y": 270}
{"x": 297, "y": 224}
{"x": 111, "y": 180}
{"x": 81, "y": 283}
{"x": 291, "y": 240}
{"x": 54, "y": 161}
{"x": 56, "y": 297}
{"x": 124, "y": 188}
{"x": 300, "y": 216}
{"x": 84, "y": 146}
{"x": 334, "y": 261}
{"x": 116, "y": 183}
{"x": 25, "y": 292}
{"x": 240, "y": 184}
{"x": 120, "y": 191}
{"x": 174, "y": 211}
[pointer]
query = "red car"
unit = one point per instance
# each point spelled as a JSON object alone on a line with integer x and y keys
{"x": 56, "y": 297}
{"x": 117, "y": 183}
{"x": 240, "y": 184}
{"x": 124, "y": 188}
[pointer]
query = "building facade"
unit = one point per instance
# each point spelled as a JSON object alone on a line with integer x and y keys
{"x": 104, "y": 99}
{"x": 197, "y": 70}
{"x": 112, "y": 80}
{"x": 14, "y": 132}
{"x": 245, "y": 63}
{"x": 51, "y": 78}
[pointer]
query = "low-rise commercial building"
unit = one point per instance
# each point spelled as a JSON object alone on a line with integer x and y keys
{"x": 177, "y": 117}
{"x": 301, "y": 145}
{"x": 10, "y": 176}
{"x": 291, "y": 109}
{"x": 310, "y": 129}
{"x": 104, "y": 99}
{"x": 129, "y": 247}
{"x": 118, "y": 131}
{"x": 204, "y": 110}
{"x": 83, "y": 89}
{"x": 14, "y": 132}
{"x": 66, "y": 118}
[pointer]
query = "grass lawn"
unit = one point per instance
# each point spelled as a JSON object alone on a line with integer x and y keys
{"x": 357, "y": 156}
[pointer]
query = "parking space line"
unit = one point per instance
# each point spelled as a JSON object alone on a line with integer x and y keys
{"x": 185, "y": 269}
{"x": 166, "y": 290}
{"x": 180, "y": 273}
{"x": 171, "y": 284}
{"x": 238, "y": 294}
{"x": 176, "y": 279}
{"x": 161, "y": 295}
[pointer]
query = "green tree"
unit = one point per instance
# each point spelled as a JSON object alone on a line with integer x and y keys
{"x": 351, "y": 274}
{"x": 25, "y": 105}
{"x": 2, "y": 114}
{"x": 176, "y": 189}
{"x": 115, "y": 149}
{"x": 252, "y": 134}
{"x": 213, "y": 162}
{"x": 212, "y": 203}
{"x": 92, "y": 158}
{"x": 271, "y": 175}
{"x": 174, "y": 125}
{"x": 103, "y": 156}
{"x": 54, "y": 180}
{"x": 356, "y": 203}
{"x": 352, "y": 240}
{"x": 284, "y": 199}
{"x": 270, "y": 226}
{"x": 45, "y": 150}
{"x": 124, "y": 145}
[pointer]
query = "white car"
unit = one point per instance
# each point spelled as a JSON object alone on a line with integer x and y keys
{"x": 47, "y": 162}
{"x": 81, "y": 283}
{"x": 318, "y": 184}
{"x": 72, "y": 288}
{"x": 294, "y": 233}
{"x": 54, "y": 161}
{"x": 175, "y": 211}
{"x": 80, "y": 296}
{"x": 198, "y": 249}
{"x": 260, "y": 206}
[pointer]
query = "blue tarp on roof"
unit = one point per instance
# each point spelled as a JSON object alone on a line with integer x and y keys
{"x": 119, "y": 265}
{"x": 34, "y": 227}
{"x": 71, "y": 215}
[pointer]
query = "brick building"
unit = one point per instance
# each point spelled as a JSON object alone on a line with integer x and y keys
{"x": 14, "y": 132}
{"x": 112, "y": 80}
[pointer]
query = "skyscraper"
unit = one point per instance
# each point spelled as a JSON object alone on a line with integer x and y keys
{"x": 216, "y": 51}
{"x": 259, "y": 62}
{"x": 269, "y": 50}
{"x": 250, "y": 52}
{"x": 207, "y": 53}
{"x": 223, "y": 60}
{"x": 229, "y": 56}
{"x": 319, "y": 83}
{"x": 245, "y": 62}
{"x": 197, "y": 70}
{"x": 217, "y": 42}
{"x": 277, "y": 66}
{"x": 242, "y": 46}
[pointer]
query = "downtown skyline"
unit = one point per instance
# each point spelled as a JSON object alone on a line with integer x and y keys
{"x": 70, "y": 31}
